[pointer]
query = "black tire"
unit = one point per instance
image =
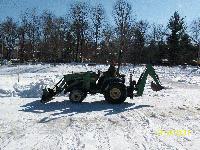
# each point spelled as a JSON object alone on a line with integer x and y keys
{"x": 116, "y": 93}
{"x": 77, "y": 96}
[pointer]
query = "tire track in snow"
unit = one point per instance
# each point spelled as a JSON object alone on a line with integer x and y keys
{"x": 146, "y": 139}
{"x": 102, "y": 137}
{"x": 134, "y": 121}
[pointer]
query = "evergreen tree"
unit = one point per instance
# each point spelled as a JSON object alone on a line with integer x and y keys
{"x": 185, "y": 46}
{"x": 177, "y": 29}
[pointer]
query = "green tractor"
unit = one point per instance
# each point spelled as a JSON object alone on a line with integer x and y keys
{"x": 110, "y": 83}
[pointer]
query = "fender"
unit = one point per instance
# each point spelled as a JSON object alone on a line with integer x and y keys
{"x": 109, "y": 81}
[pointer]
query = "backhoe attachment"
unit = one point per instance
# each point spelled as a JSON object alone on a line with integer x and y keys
{"x": 142, "y": 80}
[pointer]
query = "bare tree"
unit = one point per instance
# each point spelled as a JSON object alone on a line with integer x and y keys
{"x": 21, "y": 32}
{"x": 122, "y": 15}
{"x": 157, "y": 33}
{"x": 98, "y": 15}
{"x": 9, "y": 35}
{"x": 79, "y": 16}
{"x": 60, "y": 37}
{"x": 140, "y": 37}
{"x": 2, "y": 44}
{"x": 156, "y": 46}
{"x": 29, "y": 34}
{"x": 108, "y": 36}
{"x": 47, "y": 36}
{"x": 195, "y": 29}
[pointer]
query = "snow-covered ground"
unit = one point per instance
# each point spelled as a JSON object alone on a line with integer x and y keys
{"x": 145, "y": 122}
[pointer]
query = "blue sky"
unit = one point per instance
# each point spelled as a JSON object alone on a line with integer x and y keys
{"x": 155, "y": 11}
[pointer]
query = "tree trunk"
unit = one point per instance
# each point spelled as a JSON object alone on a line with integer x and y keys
{"x": 77, "y": 46}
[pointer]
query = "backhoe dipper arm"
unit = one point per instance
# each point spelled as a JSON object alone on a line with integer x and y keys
{"x": 149, "y": 70}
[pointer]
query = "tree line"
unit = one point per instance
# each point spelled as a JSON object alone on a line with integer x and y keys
{"x": 86, "y": 35}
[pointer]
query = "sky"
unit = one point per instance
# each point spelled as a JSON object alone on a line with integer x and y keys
{"x": 154, "y": 11}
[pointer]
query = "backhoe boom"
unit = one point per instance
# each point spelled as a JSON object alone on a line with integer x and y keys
{"x": 142, "y": 80}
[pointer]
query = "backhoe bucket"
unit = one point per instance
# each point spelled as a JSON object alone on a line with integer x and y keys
{"x": 156, "y": 87}
{"x": 47, "y": 95}
{"x": 142, "y": 80}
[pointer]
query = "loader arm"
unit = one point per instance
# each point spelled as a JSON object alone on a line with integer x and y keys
{"x": 149, "y": 70}
{"x": 67, "y": 83}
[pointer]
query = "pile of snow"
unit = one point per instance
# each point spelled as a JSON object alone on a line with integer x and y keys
{"x": 32, "y": 90}
{"x": 5, "y": 93}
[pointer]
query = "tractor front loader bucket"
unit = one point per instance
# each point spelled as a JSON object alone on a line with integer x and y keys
{"x": 49, "y": 93}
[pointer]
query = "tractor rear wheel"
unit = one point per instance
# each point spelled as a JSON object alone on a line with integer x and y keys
{"x": 116, "y": 93}
{"x": 77, "y": 96}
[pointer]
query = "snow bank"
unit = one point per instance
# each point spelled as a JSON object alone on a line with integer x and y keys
{"x": 179, "y": 74}
{"x": 32, "y": 90}
{"x": 33, "y": 78}
{"x": 5, "y": 93}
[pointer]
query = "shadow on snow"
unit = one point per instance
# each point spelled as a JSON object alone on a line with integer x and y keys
{"x": 67, "y": 108}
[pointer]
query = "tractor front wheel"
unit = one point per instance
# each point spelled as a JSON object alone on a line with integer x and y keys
{"x": 77, "y": 96}
{"x": 116, "y": 93}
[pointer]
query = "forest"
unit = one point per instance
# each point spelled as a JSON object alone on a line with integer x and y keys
{"x": 85, "y": 34}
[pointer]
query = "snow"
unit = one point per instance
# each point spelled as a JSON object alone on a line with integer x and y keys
{"x": 25, "y": 123}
